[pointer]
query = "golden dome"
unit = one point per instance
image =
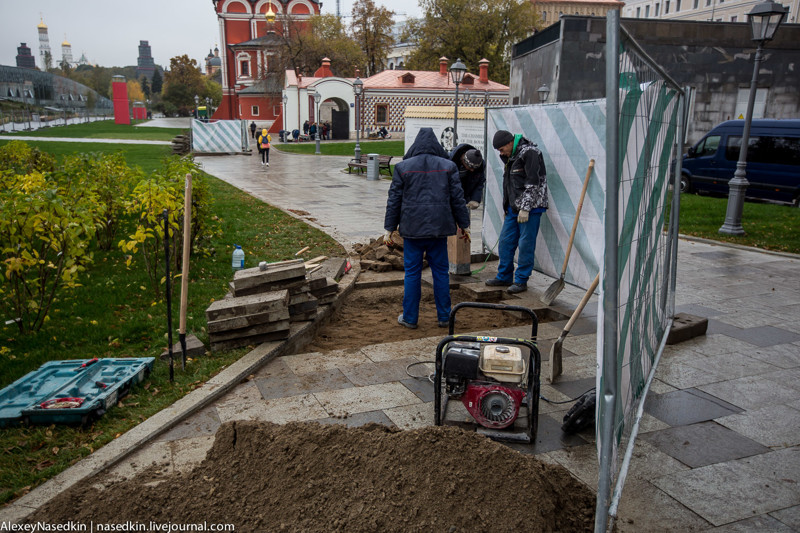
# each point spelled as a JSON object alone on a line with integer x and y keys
{"x": 41, "y": 25}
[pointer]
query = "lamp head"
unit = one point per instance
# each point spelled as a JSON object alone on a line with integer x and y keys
{"x": 457, "y": 71}
{"x": 358, "y": 87}
{"x": 316, "y": 96}
{"x": 544, "y": 92}
{"x": 765, "y": 18}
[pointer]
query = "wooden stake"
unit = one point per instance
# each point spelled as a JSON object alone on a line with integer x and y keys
{"x": 301, "y": 251}
{"x": 187, "y": 245}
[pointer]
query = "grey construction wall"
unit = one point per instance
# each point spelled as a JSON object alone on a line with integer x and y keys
{"x": 715, "y": 59}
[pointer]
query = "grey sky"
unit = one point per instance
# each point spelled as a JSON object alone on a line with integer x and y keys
{"x": 109, "y": 31}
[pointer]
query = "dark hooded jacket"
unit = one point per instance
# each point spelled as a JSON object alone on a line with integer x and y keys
{"x": 472, "y": 181}
{"x": 425, "y": 198}
{"x": 524, "y": 177}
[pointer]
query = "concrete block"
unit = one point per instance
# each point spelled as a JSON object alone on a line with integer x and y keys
{"x": 253, "y": 277}
{"x": 240, "y": 322}
{"x": 194, "y": 348}
{"x": 685, "y": 327}
{"x": 248, "y": 305}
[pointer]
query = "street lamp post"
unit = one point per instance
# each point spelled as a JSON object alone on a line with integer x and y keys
{"x": 457, "y": 71}
{"x": 317, "y": 98}
{"x": 544, "y": 92}
{"x": 196, "y": 105}
{"x": 208, "y": 108}
{"x": 764, "y": 21}
{"x": 358, "y": 88}
{"x": 285, "y": 102}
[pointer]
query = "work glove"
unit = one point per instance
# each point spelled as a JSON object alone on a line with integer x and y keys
{"x": 465, "y": 235}
{"x": 387, "y": 238}
{"x": 472, "y": 204}
{"x": 522, "y": 218}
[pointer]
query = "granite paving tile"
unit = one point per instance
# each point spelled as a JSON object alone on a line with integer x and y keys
{"x": 157, "y": 457}
{"x": 412, "y": 416}
{"x": 423, "y": 388}
{"x": 277, "y": 410}
{"x": 317, "y": 362}
{"x": 645, "y": 507}
{"x": 781, "y": 355}
{"x": 731, "y": 365}
{"x": 703, "y": 444}
{"x": 789, "y": 516}
{"x": 684, "y": 376}
{"x": 369, "y": 398}
{"x": 549, "y": 437}
{"x": 204, "y": 422}
{"x": 766, "y": 335}
{"x": 789, "y": 377}
{"x": 751, "y": 392}
{"x": 762, "y": 523}
{"x": 359, "y": 419}
{"x": 731, "y": 491}
{"x": 382, "y": 372}
{"x": 774, "y": 425}
{"x": 698, "y": 310}
{"x": 188, "y": 453}
{"x": 690, "y": 406}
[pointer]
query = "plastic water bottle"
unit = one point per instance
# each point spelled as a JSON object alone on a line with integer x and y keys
{"x": 238, "y": 258}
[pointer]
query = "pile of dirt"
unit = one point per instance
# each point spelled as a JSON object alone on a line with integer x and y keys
{"x": 369, "y": 316}
{"x": 310, "y": 477}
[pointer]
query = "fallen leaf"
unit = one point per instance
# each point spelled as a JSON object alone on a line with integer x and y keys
{"x": 55, "y": 450}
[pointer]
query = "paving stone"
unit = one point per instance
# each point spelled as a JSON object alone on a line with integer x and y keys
{"x": 574, "y": 388}
{"x": 685, "y": 327}
{"x": 278, "y": 410}
{"x": 645, "y": 507}
{"x": 731, "y": 366}
{"x": 188, "y": 453}
{"x": 360, "y": 419}
{"x": 774, "y": 426}
{"x": 684, "y": 407}
{"x": 757, "y": 523}
{"x": 158, "y": 455}
{"x": 789, "y": 516}
{"x": 751, "y": 392}
{"x": 317, "y": 362}
{"x": 374, "y": 373}
{"x": 684, "y": 376}
{"x": 699, "y": 310}
{"x": 549, "y": 437}
{"x": 412, "y": 416}
{"x": 400, "y": 350}
{"x": 717, "y": 327}
{"x": 369, "y": 398}
{"x": 421, "y": 387}
{"x": 748, "y": 489}
{"x": 581, "y": 461}
{"x": 203, "y": 423}
{"x": 766, "y": 336}
{"x": 703, "y": 444}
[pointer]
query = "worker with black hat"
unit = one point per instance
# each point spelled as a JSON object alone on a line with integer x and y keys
{"x": 471, "y": 172}
{"x": 524, "y": 201}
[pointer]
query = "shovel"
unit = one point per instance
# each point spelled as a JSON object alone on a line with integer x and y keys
{"x": 555, "y": 289}
{"x": 555, "y": 350}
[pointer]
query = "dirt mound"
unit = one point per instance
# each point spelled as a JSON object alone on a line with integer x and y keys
{"x": 310, "y": 477}
{"x": 369, "y": 316}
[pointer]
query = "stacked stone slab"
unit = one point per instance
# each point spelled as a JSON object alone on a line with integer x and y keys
{"x": 262, "y": 303}
{"x": 379, "y": 257}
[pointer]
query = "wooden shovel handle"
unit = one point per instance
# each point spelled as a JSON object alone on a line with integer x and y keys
{"x": 584, "y": 301}
{"x": 577, "y": 216}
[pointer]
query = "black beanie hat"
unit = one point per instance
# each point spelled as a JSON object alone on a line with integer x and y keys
{"x": 502, "y": 138}
{"x": 474, "y": 158}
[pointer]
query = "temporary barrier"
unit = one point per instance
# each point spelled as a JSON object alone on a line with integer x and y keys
{"x": 221, "y": 136}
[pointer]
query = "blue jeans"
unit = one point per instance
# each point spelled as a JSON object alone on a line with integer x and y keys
{"x": 515, "y": 235}
{"x": 436, "y": 250}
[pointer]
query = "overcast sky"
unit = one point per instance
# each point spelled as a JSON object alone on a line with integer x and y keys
{"x": 109, "y": 31}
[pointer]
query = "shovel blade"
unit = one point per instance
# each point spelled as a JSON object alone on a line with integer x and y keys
{"x": 553, "y": 291}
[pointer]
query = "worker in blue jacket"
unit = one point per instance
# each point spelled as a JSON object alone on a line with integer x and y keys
{"x": 427, "y": 204}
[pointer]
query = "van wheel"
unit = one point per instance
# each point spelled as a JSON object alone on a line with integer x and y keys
{"x": 686, "y": 185}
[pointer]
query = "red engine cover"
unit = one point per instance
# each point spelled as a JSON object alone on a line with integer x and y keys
{"x": 493, "y": 406}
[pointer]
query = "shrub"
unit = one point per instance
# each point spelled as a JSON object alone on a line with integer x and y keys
{"x": 20, "y": 158}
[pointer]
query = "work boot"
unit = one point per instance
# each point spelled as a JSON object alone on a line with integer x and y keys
{"x": 444, "y": 323}
{"x": 515, "y": 288}
{"x": 494, "y": 282}
{"x": 402, "y": 322}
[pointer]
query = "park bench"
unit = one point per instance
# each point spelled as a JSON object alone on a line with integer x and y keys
{"x": 361, "y": 164}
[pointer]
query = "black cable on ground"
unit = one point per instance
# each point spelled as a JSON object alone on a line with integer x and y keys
{"x": 567, "y": 401}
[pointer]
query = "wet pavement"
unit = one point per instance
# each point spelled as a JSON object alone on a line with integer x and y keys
{"x": 719, "y": 445}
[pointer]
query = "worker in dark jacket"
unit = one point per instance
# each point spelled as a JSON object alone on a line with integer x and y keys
{"x": 524, "y": 201}
{"x": 427, "y": 203}
{"x": 471, "y": 172}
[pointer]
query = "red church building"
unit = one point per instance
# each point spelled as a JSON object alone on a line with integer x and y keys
{"x": 251, "y": 85}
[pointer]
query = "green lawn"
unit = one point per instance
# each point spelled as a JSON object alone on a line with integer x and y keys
{"x": 393, "y": 148}
{"x": 146, "y": 156}
{"x": 105, "y": 129}
{"x": 115, "y": 314}
{"x": 767, "y": 226}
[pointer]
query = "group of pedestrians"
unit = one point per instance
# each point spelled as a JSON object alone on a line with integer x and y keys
{"x": 429, "y": 200}
{"x": 312, "y": 128}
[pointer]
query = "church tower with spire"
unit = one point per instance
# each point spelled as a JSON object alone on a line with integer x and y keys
{"x": 66, "y": 52}
{"x": 44, "y": 45}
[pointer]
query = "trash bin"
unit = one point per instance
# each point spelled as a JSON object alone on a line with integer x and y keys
{"x": 372, "y": 167}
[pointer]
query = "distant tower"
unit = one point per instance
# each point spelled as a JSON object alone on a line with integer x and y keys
{"x": 145, "y": 65}
{"x": 66, "y": 52}
{"x": 24, "y": 57}
{"x": 44, "y": 44}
